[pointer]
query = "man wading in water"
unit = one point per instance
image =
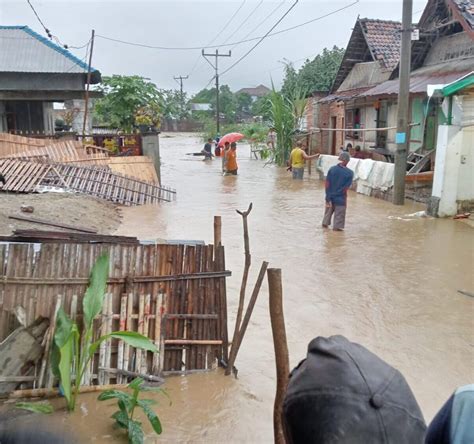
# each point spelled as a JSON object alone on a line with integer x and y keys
{"x": 297, "y": 159}
{"x": 338, "y": 181}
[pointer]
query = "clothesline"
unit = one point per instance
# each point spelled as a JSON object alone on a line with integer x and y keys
{"x": 317, "y": 130}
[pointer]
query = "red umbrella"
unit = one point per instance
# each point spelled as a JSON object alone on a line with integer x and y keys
{"x": 230, "y": 137}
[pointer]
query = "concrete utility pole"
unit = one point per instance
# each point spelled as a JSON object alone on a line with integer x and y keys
{"x": 403, "y": 129}
{"x": 215, "y": 66}
{"x": 86, "y": 101}
{"x": 180, "y": 79}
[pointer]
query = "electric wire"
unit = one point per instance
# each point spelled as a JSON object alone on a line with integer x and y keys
{"x": 196, "y": 61}
{"x": 244, "y": 21}
{"x": 189, "y": 48}
{"x": 261, "y": 39}
{"x": 262, "y": 21}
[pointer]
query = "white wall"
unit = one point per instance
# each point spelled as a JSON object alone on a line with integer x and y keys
{"x": 454, "y": 165}
{"x": 48, "y": 117}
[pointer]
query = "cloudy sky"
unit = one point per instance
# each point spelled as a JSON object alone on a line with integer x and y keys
{"x": 196, "y": 24}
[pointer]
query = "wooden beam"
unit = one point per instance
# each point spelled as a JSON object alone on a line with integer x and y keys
{"x": 37, "y": 220}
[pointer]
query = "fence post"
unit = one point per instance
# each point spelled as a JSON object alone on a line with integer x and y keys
{"x": 281, "y": 349}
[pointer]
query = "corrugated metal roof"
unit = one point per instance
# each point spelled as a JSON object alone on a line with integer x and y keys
{"x": 23, "y": 50}
{"x": 432, "y": 75}
{"x": 343, "y": 95}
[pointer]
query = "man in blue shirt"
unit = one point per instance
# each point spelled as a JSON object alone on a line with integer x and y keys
{"x": 338, "y": 181}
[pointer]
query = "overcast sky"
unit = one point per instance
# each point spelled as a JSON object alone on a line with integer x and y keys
{"x": 195, "y": 23}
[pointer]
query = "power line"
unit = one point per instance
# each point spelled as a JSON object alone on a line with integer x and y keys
{"x": 189, "y": 48}
{"x": 263, "y": 21}
{"x": 39, "y": 19}
{"x": 198, "y": 58}
{"x": 244, "y": 20}
{"x": 46, "y": 30}
{"x": 262, "y": 38}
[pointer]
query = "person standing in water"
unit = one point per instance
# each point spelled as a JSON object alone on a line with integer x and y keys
{"x": 231, "y": 166}
{"x": 297, "y": 160}
{"x": 338, "y": 181}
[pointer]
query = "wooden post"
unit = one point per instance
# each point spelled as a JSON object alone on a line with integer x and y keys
{"x": 86, "y": 100}
{"x": 236, "y": 345}
{"x": 281, "y": 349}
{"x": 217, "y": 232}
{"x": 243, "y": 286}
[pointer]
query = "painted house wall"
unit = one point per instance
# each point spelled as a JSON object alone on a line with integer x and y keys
{"x": 453, "y": 183}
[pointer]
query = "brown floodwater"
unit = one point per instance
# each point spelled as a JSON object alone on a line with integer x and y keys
{"x": 389, "y": 282}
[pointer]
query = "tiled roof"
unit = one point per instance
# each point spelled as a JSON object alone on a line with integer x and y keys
{"x": 23, "y": 50}
{"x": 259, "y": 91}
{"x": 383, "y": 38}
{"x": 466, "y": 9}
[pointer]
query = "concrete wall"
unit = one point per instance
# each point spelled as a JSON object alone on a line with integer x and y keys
{"x": 41, "y": 82}
{"x": 151, "y": 148}
{"x": 453, "y": 183}
{"x": 48, "y": 117}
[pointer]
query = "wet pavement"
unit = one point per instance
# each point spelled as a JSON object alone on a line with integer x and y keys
{"x": 389, "y": 281}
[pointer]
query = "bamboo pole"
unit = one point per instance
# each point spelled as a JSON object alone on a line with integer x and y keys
{"x": 253, "y": 299}
{"x": 248, "y": 261}
{"x": 217, "y": 232}
{"x": 281, "y": 349}
{"x": 53, "y": 392}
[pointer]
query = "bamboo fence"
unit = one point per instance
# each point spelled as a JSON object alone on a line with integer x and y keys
{"x": 174, "y": 294}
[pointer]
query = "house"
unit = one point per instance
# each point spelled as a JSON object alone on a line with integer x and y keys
{"x": 201, "y": 107}
{"x": 453, "y": 182}
{"x": 35, "y": 73}
{"x": 444, "y": 53}
{"x": 255, "y": 93}
{"x": 371, "y": 56}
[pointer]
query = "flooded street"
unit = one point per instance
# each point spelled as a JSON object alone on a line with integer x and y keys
{"x": 389, "y": 281}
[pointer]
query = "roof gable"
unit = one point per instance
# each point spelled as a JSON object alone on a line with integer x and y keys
{"x": 24, "y": 50}
{"x": 370, "y": 41}
{"x": 258, "y": 91}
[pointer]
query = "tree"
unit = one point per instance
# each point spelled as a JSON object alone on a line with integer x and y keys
{"x": 227, "y": 101}
{"x": 175, "y": 105}
{"x": 123, "y": 97}
{"x": 319, "y": 74}
{"x": 261, "y": 107}
{"x": 243, "y": 104}
{"x": 290, "y": 80}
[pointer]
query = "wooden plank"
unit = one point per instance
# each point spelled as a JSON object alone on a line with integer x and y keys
{"x": 37, "y": 220}
{"x": 121, "y": 344}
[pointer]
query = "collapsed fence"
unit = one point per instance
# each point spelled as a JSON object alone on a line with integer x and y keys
{"x": 174, "y": 294}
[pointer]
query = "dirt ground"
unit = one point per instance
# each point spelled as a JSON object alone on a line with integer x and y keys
{"x": 69, "y": 209}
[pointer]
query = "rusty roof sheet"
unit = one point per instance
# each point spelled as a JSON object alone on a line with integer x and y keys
{"x": 343, "y": 95}
{"x": 419, "y": 80}
{"x": 383, "y": 38}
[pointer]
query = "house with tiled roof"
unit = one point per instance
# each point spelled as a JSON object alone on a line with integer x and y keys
{"x": 35, "y": 73}
{"x": 255, "y": 92}
{"x": 443, "y": 53}
{"x": 371, "y": 55}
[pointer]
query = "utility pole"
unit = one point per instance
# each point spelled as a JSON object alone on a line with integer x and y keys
{"x": 402, "y": 138}
{"x": 86, "y": 101}
{"x": 216, "y": 68}
{"x": 180, "y": 79}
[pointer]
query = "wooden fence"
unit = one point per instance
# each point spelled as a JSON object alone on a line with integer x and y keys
{"x": 174, "y": 294}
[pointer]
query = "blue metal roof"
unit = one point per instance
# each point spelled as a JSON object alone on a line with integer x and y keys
{"x": 24, "y": 50}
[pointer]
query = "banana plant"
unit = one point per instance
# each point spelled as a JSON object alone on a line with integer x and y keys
{"x": 128, "y": 403}
{"x": 73, "y": 348}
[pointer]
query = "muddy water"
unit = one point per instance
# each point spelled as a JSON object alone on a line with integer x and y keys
{"x": 389, "y": 281}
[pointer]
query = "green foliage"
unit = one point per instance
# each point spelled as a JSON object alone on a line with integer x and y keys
{"x": 315, "y": 75}
{"x": 255, "y": 133}
{"x": 243, "y": 105}
{"x": 127, "y": 404}
{"x": 319, "y": 74}
{"x": 284, "y": 121}
{"x": 73, "y": 350}
{"x": 175, "y": 105}
{"x": 44, "y": 408}
{"x": 123, "y": 96}
{"x": 261, "y": 107}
